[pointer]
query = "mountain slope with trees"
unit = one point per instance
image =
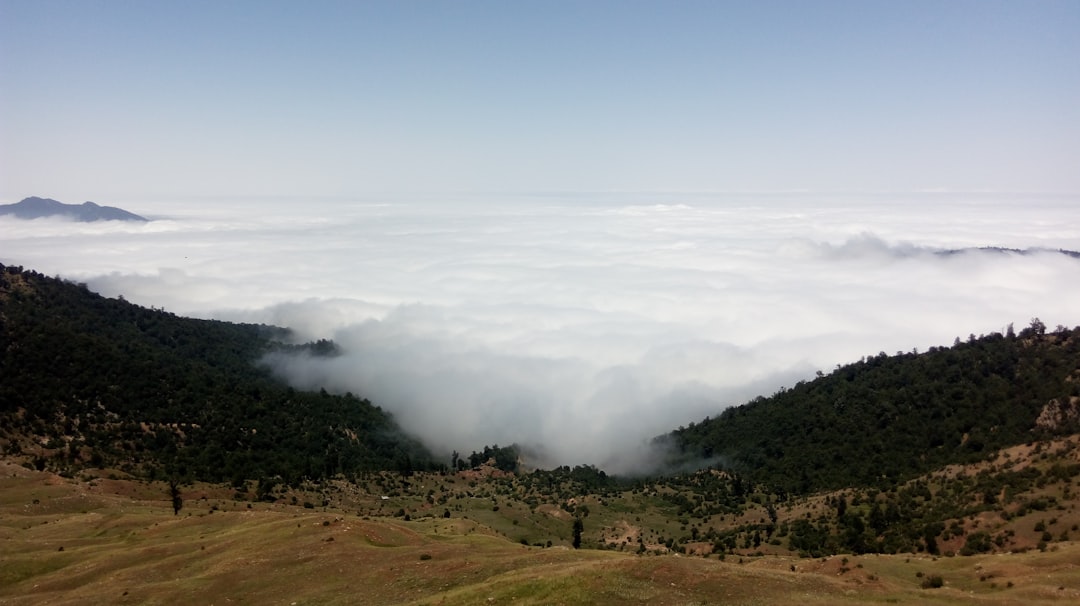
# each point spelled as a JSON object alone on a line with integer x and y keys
{"x": 86, "y": 380}
{"x": 886, "y": 418}
{"x": 969, "y": 449}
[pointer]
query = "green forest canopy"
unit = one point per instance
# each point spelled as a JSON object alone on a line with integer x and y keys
{"x": 105, "y": 382}
{"x": 886, "y": 418}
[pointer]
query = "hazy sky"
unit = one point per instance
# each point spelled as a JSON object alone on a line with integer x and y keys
{"x": 564, "y": 224}
{"x": 119, "y": 101}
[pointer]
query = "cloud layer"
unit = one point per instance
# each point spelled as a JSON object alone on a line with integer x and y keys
{"x": 581, "y": 326}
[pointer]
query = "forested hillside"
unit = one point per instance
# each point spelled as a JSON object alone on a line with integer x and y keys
{"x": 86, "y": 380}
{"x": 887, "y": 418}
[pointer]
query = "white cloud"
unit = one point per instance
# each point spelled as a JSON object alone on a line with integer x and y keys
{"x": 581, "y": 326}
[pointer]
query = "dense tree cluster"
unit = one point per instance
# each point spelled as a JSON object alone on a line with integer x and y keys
{"x": 504, "y": 458}
{"x": 886, "y": 418}
{"x": 88, "y": 380}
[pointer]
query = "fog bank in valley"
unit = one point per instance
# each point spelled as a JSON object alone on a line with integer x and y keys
{"x": 581, "y": 326}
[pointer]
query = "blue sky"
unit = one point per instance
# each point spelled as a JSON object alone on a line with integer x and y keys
{"x": 115, "y": 101}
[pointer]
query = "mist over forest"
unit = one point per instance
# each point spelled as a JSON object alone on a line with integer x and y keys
{"x": 580, "y": 326}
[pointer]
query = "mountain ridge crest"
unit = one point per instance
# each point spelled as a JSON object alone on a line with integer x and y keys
{"x": 36, "y": 207}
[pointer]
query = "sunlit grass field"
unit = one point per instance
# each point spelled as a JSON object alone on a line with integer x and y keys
{"x": 67, "y": 541}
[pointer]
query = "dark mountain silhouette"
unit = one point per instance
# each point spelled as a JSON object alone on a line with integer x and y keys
{"x": 36, "y": 208}
{"x": 1019, "y": 251}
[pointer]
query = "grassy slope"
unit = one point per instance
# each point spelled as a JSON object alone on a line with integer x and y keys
{"x": 122, "y": 544}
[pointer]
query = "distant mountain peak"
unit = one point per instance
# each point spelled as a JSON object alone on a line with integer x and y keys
{"x": 36, "y": 208}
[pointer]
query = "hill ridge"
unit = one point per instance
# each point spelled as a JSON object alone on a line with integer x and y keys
{"x": 36, "y": 207}
{"x": 886, "y": 418}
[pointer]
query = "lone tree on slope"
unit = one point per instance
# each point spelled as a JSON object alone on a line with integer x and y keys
{"x": 177, "y": 501}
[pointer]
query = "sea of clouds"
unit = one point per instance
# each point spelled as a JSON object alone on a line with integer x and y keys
{"x": 580, "y": 326}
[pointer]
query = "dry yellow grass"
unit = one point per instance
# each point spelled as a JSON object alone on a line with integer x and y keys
{"x": 67, "y": 542}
